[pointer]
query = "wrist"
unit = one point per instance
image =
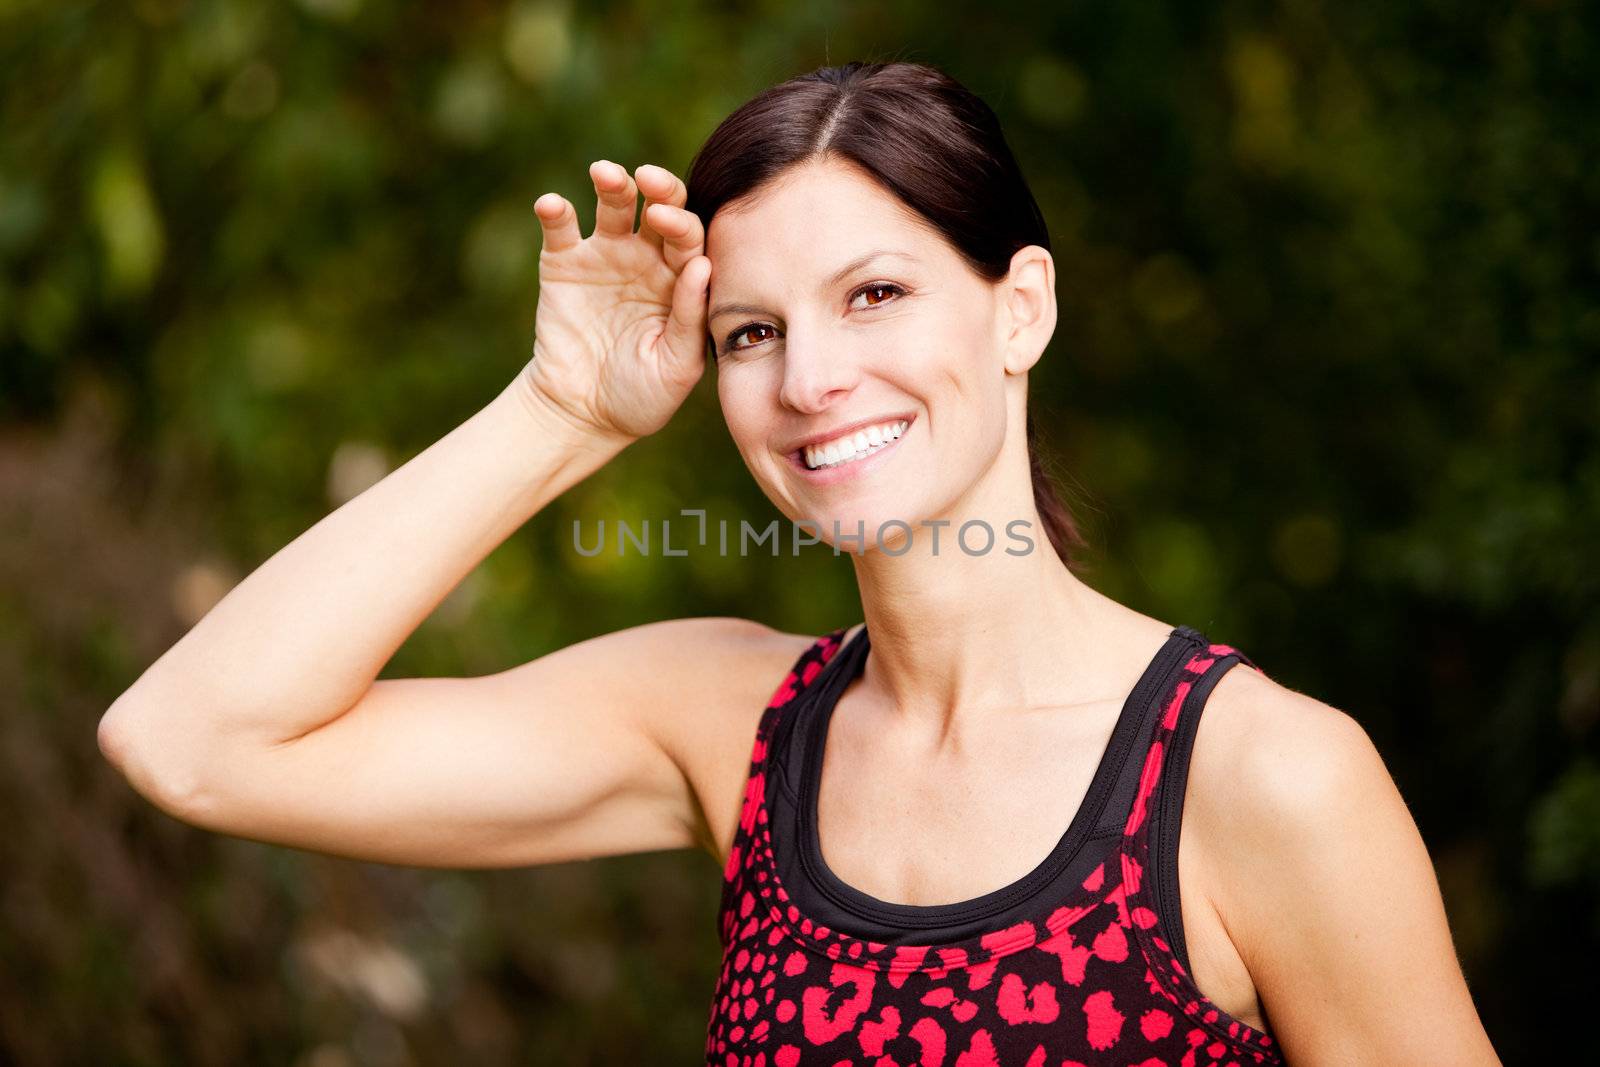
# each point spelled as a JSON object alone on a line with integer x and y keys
{"x": 553, "y": 423}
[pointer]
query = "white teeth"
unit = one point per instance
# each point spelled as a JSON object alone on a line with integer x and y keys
{"x": 848, "y": 448}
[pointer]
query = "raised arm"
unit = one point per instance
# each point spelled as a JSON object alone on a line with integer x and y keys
{"x": 266, "y": 720}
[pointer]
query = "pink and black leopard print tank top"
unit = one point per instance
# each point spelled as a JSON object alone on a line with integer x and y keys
{"x": 1079, "y": 963}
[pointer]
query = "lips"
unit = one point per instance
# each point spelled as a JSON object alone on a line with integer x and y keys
{"x": 798, "y": 447}
{"x": 857, "y": 465}
{"x": 847, "y": 448}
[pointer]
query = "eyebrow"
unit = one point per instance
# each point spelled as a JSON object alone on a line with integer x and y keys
{"x": 833, "y": 279}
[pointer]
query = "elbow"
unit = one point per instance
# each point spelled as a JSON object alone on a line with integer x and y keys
{"x": 112, "y": 737}
{"x": 133, "y": 743}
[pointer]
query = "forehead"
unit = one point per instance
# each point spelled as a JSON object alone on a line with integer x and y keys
{"x": 810, "y": 219}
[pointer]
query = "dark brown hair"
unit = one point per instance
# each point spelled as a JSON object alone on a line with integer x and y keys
{"x": 929, "y": 141}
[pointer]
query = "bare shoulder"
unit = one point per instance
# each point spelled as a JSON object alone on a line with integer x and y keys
{"x": 1317, "y": 870}
{"x": 1264, "y": 744}
{"x": 1266, "y": 763}
{"x": 716, "y": 675}
{"x": 1270, "y": 768}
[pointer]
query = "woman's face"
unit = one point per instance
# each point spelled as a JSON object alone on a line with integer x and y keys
{"x": 814, "y": 339}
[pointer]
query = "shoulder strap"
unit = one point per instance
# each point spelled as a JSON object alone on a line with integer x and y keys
{"x": 804, "y": 671}
{"x": 1168, "y": 815}
{"x": 1151, "y": 836}
{"x": 1146, "y": 702}
{"x": 1149, "y": 853}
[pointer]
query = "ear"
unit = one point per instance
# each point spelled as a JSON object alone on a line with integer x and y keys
{"x": 1030, "y": 295}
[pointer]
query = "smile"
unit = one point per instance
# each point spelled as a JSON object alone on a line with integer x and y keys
{"x": 852, "y": 447}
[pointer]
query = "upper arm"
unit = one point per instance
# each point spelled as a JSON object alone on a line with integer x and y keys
{"x": 574, "y": 755}
{"x": 1326, "y": 887}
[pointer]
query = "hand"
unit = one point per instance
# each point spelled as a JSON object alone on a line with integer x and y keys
{"x": 620, "y": 325}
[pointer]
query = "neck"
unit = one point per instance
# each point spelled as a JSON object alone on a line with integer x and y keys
{"x": 956, "y": 631}
{"x": 961, "y": 636}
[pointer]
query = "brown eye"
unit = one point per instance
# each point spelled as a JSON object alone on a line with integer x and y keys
{"x": 878, "y": 287}
{"x": 748, "y": 330}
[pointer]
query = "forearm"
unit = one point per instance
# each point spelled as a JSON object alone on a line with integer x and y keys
{"x": 302, "y": 638}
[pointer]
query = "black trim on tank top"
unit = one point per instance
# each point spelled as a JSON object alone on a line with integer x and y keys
{"x": 822, "y": 895}
{"x": 1168, "y": 803}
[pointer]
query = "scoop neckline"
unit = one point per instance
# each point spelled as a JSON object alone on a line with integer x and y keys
{"x": 849, "y": 663}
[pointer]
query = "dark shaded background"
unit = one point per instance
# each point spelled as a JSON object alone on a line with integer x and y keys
{"x": 1324, "y": 385}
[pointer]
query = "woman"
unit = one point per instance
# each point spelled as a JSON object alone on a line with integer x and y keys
{"x": 961, "y": 848}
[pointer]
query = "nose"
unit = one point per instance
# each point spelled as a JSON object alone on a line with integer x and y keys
{"x": 816, "y": 374}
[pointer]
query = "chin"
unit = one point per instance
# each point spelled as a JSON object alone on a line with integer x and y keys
{"x": 870, "y": 523}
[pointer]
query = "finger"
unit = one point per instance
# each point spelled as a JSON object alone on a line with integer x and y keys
{"x": 683, "y": 234}
{"x": 647, "y": 177}
{"x": 686, "y": 325}
{"x": 617, "y": 199}
{"x": 558, "y": 223}
{"x": 659, "y": 186}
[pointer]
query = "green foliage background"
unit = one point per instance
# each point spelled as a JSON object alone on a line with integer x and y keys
{"x": 1324, "y": 385}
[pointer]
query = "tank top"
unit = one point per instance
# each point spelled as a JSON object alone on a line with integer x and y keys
{"x": 1079, "y": 963}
